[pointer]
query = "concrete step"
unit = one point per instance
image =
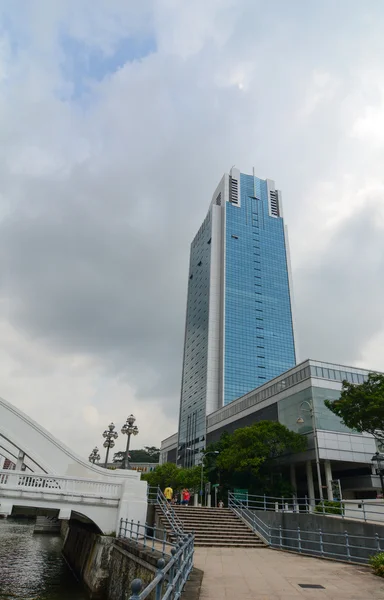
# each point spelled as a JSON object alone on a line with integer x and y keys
{"x": 208, "y": 519}
{"x": 225, "y": 544}
{"x": 214, "y": 527}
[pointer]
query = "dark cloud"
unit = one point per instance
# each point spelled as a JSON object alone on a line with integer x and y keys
{"x": 338, "y": 293}
{"x": 100, "y": 197}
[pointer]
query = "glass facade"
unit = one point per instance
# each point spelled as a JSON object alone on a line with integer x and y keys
{"x": 259, "y": 342}
{"x": 239, "y": 331}
{"x": 194, "y": 379}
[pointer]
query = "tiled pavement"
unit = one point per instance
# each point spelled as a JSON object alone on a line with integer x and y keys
{"x": 263, "y": 574}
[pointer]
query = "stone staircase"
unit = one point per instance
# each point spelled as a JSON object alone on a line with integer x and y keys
{"x": 215, "y": 527}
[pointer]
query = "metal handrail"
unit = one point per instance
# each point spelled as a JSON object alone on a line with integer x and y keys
{"x": 168, "y": 511}
{"x": 172, "y": 575}
{"x": 147, "y": 536}
{"x": 261, "y": 528}
{"x": 362, "y": 510}
{"x": 352, "y": 548}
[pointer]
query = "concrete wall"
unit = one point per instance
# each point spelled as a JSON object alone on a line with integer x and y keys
{"x": 107, "y": 566}
{"x": 358, "y": 533}
{"x": 88, "y": 554}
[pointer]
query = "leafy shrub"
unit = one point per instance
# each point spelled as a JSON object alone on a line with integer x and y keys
{"x": 329, "y": 507}
{"x": 377, "y": 564}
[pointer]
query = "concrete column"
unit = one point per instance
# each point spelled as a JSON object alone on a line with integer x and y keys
{"x": 20, "y": 460}
{"x": 310, "y": 485}
{"x": 328, "y": 478}
{"x": 2, "y": 459}
{"x": 209, "y": 500}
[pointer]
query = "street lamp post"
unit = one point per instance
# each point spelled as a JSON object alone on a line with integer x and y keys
{"x": 202, "y": 472}
{"x": 378, "y": 459}
{"x": 94, "y": 456}
{"x": 300, "y": 420}
{"x": 129, "y": 428}
{"x": 110, "y": 435}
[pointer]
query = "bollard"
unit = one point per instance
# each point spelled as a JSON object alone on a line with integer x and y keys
{"x": 136, "y": 587}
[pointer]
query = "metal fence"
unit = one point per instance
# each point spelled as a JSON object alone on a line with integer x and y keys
{"x": 176, "y": 564}
{"x": 173, "y": 569}
{"x": 147, "y": 536}
{"x": 363, "y": 510}
{"x": 342, "y": 546}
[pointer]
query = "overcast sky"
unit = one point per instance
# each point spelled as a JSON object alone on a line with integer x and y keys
{"x": 117, "y": 120}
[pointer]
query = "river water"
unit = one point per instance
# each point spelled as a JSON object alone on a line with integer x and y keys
{"x": 31, "y": 565}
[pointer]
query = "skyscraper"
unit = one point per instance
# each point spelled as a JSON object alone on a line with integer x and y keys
{"x": 239, "y": 328}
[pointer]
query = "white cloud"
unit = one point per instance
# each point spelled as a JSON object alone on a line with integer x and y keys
{"x": 101, "y": 193}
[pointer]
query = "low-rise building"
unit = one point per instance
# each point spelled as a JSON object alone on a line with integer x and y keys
{"x": 296, "y": 399}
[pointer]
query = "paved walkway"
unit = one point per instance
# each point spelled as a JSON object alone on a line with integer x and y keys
{"x": 263, "y": 574}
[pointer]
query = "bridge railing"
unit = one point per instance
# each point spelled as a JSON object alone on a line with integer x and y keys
{"x": 57, "y": 484}
{"x": 173, "y": 569}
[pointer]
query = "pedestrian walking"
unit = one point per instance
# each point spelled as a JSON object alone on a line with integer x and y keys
{"x": 168, "y": 493}
{"x": 186, "y": 497}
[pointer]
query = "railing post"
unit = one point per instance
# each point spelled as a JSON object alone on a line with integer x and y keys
{"x": 299, "y": 539}
{"x": 131, "y": 528}
{"x": 153, "y": 539}
{"x": 178, "y": 585}
{"x": 321, "y": 542}
{"x": 172, "y": 569}
{"x": 280, "y": 537}
{"x": 377, "y": 541}
{"x": 136, "y": 587}
{"x": 265, "y": 502}
{"x": 138, "y": 530}
{"x": 347, "y": 545}
{"x": 306, "y": 505}
{"x": 364, "y": 515}
{"x": 121, "y": 527}
{"x": 164, "y": 540}
{"x": 159, "y": 587}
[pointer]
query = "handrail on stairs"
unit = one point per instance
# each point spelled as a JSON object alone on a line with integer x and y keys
{"x": 156, "y": 496}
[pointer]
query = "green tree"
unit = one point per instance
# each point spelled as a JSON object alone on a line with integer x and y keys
{"x": 149, "y": 454}
{"x": 170, "y": 474}
{"x": 361, "y": 407}
{"x": 249, "y": 457}
{"x": 191, "y": 478}
{"x": 163, "y": 475}
{"x": 153, "y": 453}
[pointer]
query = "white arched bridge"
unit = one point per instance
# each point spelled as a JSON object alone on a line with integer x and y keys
{"x": 49, "y": 476}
